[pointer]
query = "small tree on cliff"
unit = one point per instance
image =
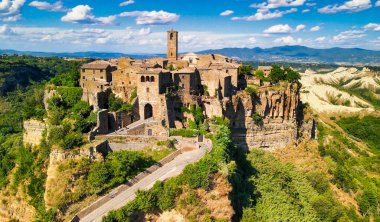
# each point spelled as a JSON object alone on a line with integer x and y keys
{"x": 291, "y": 75}
{"x": 277, "y": 74}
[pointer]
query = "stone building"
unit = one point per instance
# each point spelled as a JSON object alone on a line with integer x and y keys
{"x": 266, "y": 70}
{"x": 151, "y": 87}
{"x": 95, "y": 79}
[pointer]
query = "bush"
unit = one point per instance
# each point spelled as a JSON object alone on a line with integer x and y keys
{"x": 71, "y": 140}
{"x": 183, "y": 132}
{"x": 257, "y": 119}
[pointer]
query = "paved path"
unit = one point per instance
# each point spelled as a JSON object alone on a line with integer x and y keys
{"x": 168, "y": 170}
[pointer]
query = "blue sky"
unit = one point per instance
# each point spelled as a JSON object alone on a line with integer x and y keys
{"x": 139, "y": 26}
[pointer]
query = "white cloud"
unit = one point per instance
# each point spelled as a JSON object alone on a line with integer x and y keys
{"x": 349, "y": 35}
{"x": 129, "y": 2}
{"x": 10, "y": 10}
{"x": 300, "y": 27}
{"x": 315, "y": 28}
{"x": 348, "y": 6}
{"x": 152, "y": 17}
{"x": 372, "y": 26}
{"x": 82, "y": 14}
{"x": 56, "y": 7}
{"x": 252, "y": 40}
{"x": 305, "y": 10}
{"x": 280, "y": 28}
{"x": 270, "y": 4}
{"x": 320, "y": 39}
{"x": 5, "y": 30}
{"x": 263, "y": 14}
{"x": 227, "y": 12}
{"x": 288, "y": 40}
{"x": 377, "y": 3}
{"x": 144, "y": 31}
{"x": 283, "y": 28}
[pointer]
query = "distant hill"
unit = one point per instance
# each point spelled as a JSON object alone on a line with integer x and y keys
{"x": 282, "y": 53}
{"x": 90, "y": 54}
{"x": 302, "y": 54}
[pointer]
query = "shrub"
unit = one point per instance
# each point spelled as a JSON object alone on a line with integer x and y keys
{"x": 183, "y": 132}
{"x": 257, "y": 119}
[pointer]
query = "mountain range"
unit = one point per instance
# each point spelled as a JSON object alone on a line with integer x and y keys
{"x": 281, "y": 53}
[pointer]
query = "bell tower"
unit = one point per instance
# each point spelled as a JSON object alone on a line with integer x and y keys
{"x": 172, "y": 51}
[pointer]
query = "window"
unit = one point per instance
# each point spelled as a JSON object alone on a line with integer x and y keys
{"x": 84, "y": 77}
{"x": 182, "y": 77}
{"x": 101, "y": 70}
{"x": 122, "y": 83}
{"x": 147, "y": 90}
{"x": 171, "y": 36}
{"x": 129, "y": 82}
{"x": 101, "y": 77}
{"x": 152, "y": 78}
{"x": 142, "y": 79}
{"x": 226, "y": 70}
{"x": 147, "y": 78}
{"x": 83, "y": 70}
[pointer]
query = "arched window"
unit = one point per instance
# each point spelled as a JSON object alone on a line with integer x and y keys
{"x": 147, "y": 78}
{"x": 152, "y": 78}
{"x": 142, "y": 79}
{"x": 171, "y": 36}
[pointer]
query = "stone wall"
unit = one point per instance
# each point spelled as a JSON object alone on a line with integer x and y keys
{"x": 33, "y": 130}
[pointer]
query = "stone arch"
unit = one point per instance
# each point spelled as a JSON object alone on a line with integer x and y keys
{"x": 148, "y": 111}
{"x": 152, "y": 78}
{"x": 142, "y": 79}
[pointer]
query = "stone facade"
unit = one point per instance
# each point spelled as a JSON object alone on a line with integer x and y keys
{"x": 172, "y": 51}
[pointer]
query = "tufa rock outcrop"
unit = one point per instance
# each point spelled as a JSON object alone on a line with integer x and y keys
{"x": 270, "y": 118}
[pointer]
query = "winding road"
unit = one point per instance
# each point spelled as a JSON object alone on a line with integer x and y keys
{"x": 117, "y": 200}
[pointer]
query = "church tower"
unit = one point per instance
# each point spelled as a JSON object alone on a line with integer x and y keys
{"x": 172, "y": 51}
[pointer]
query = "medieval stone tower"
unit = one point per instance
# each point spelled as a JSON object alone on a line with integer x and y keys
{"x": 172, "y": 45}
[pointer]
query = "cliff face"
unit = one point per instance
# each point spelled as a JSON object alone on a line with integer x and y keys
{"x": 279, "y": 109}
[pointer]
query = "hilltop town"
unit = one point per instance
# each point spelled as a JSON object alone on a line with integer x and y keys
{"x": 160, "y": 92}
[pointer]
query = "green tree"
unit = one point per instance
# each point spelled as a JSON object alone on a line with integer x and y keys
{"x": 245, "y": 70}
{"x": 98, "y": 176}
{"x": 277, "y": 74}
{"x": 291, "y": 75}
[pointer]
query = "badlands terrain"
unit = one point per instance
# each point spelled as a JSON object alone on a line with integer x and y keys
{"x": 342, "y": 90}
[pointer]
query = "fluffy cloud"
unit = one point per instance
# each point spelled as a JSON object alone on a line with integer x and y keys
{"x": 288, "y": 40}
{"x": 56, "y": 7}
{"x": 283, "y": 28}
{"x": 10, "y": 10}
{"x": 315, "y": 28}
{"x": 300, "y": 27}
{"x": 227, "y": 12}
{"x": 6, "y": 31}
{"x": 349, "y": 35}
{"x": 129, "y": 2}
{"x": 372, "y": 26}
{"x": 305, "y": 10}
{"x": 152, "y": 17}
{"x": 348, "y": 6}
{"x": 377, "y": 3}
{"x": 320, "y": 39}
{"x": 276, "y": 29}
{"x": 82, "y": 14}
{"x": 263, "y": 14}
{"x": 252, "y": 40}
{"x": 270, "y": 4}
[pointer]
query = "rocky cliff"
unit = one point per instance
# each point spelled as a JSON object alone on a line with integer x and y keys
{"x": 269, "y": 118}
